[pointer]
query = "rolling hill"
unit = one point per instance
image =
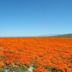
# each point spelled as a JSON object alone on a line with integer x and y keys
{"x": 64, "y": 35}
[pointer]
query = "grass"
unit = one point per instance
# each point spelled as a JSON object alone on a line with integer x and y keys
{"x": 22, "y": 68}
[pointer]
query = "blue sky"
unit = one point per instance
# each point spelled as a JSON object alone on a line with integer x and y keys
{"x": 35, "y": 17}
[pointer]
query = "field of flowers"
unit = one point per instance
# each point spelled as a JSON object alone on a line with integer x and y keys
{"x": 36, "y": 54}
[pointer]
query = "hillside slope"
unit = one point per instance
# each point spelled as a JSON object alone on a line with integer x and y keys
{"x": 64, "y": 35}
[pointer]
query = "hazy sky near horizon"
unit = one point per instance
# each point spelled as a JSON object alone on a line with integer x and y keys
{"x": 35, "y": 17}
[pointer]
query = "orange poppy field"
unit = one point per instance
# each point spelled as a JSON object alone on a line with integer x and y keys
{"x": 44, "y": 53}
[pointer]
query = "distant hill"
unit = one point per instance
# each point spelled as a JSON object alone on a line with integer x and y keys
{"x": 64, "y": 35}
